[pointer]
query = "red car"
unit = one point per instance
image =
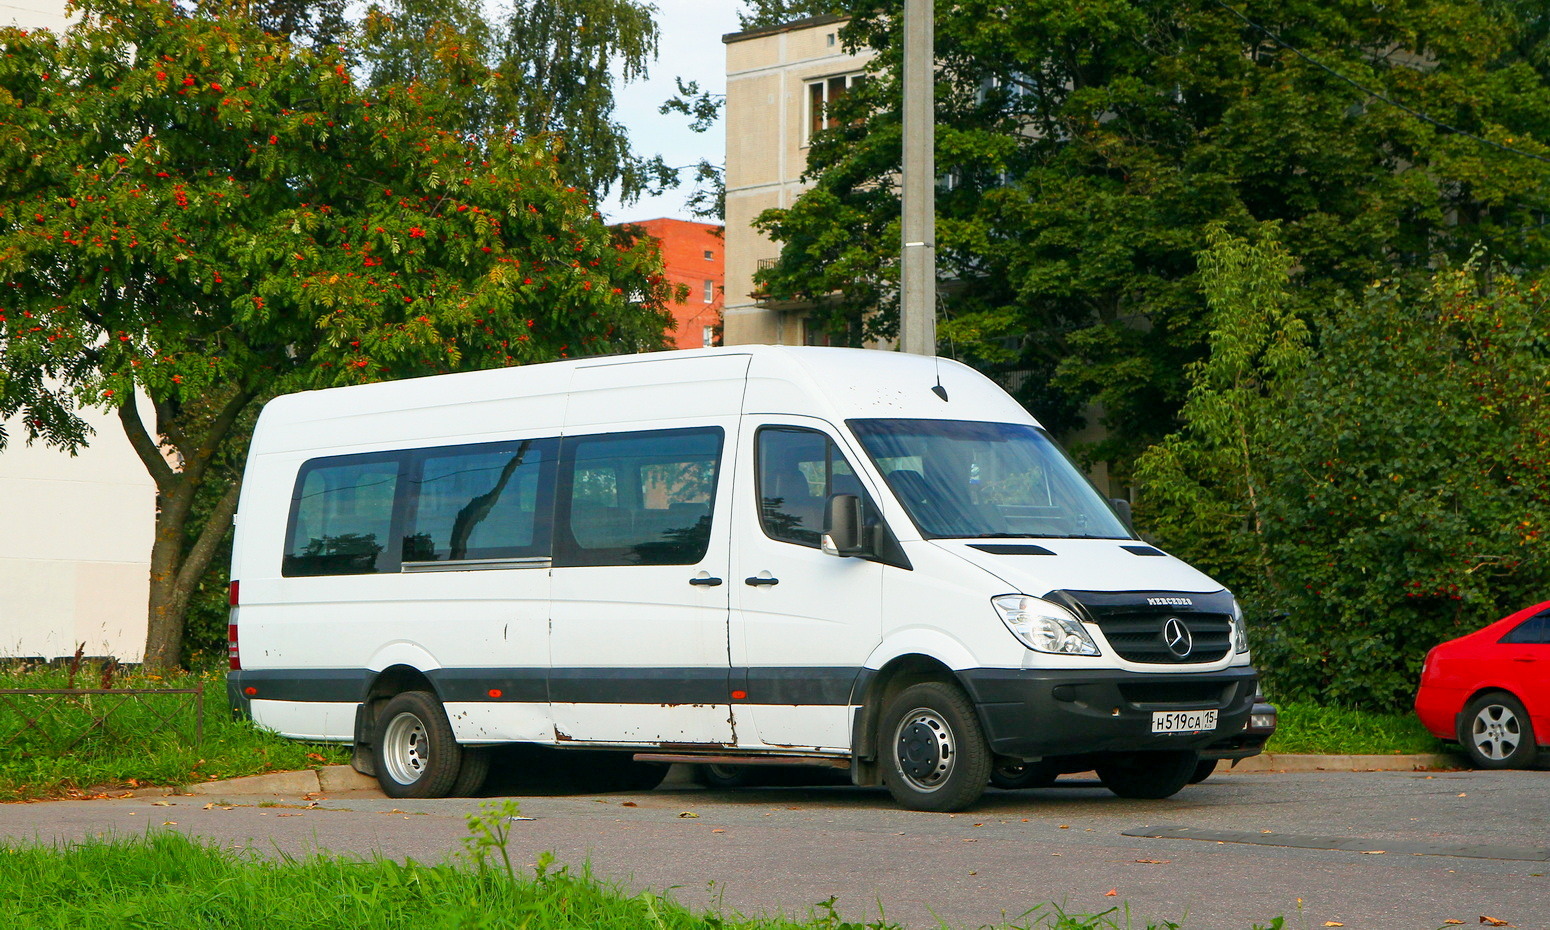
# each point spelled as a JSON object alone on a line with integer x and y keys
{"x": 1490, "y": 690}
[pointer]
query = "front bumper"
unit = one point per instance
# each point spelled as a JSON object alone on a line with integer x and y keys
{"x": 1037, "y": 713}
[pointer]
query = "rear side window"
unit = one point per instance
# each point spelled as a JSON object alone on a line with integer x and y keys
{"x": 637, "y": 498}
{"x": 484, "y": 502}
{"x": 342, "y": 516}
{"x": 1534, "y": 630}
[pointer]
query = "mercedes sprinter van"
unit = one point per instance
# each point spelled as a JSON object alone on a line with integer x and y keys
{"x": 857, "y": 558}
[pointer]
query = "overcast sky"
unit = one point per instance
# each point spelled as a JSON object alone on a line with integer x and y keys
{"x": 690, "y": 48}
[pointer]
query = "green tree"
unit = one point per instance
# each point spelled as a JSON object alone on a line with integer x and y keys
{"x": 199, "y": 211}
{"x": 547, "y": 69}
{"x": 1371, "y": 496}
{"x": 1206, "y": 489}
{"x": 1409, "y": 484}
{"x": 303, "y": 22}
{"x": 759, "y": 14}
{"x": 1084, "y": 150}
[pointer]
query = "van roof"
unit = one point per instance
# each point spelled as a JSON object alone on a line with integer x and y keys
{"x": 829, "y": 383}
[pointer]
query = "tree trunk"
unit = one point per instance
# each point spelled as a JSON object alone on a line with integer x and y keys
{"x": 175, "y": 567}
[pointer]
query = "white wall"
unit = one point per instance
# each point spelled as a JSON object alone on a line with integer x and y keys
{"x": 75, "y": 532}
{"x": 33, "y": 14}
{"x": 75, "y": 545}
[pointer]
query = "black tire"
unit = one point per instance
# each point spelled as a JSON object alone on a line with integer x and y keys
{"x": 1495, "y": 730}
{"x": 934, "y": 756}
{"x": 416, "y": 754}
{"x": 1016, "y": 775}
{"x": 723, "y": 777}
{"x": 1149, "y": 775}
{"x": 1203, "y": 770}
{"x": 472, "y": 774}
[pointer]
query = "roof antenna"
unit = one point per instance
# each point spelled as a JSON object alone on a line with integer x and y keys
{"x": 939, "y": 390}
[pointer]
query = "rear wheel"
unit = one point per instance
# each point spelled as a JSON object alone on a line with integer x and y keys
{"x": 1015, "y": 775}
{"x": 1148, "y": 775}
{"x": 416, "y": 754}
{"x": 1495, "y": 730}
{"x": 1203, "y": 770}
{"x": 473, "y": 772}
{"x": 934, "y": 753}
{"x": 723, "y": 777}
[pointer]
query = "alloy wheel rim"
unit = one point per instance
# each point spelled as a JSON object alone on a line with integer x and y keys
{"x": 1496, "y": 732}
{"x": 405, "y": 749}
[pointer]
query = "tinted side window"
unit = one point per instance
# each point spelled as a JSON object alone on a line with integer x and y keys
{"x": 1535, "y": 629}
{"x": 480, "y": 502}
{"x": 637, "y": 498}
{"x": 798, "y": 470}
{"x": 341, "y": 516}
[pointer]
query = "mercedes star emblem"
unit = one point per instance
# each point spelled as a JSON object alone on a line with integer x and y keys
{"x": 1175, "y": 636}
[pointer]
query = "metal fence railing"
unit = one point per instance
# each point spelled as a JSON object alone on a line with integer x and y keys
{"x": 60, "y": 720}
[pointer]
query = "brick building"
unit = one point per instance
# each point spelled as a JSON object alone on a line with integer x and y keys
{"x": 694, "y": 255}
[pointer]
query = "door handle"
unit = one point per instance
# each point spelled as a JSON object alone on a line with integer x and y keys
{"x": 707, "y": 582}
{"x": 758, "y": 582}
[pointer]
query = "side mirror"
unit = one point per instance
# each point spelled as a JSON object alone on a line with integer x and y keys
{"x": 843, "y": 526}
{"x": 1122, "y": 507}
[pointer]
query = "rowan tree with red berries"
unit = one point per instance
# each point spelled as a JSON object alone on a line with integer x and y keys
{"x": 201, "y": 213}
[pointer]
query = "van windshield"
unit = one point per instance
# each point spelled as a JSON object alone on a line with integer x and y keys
{"x": 986, "y": 480}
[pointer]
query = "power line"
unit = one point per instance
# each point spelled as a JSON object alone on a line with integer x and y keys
{"x": 1373, "y": 93}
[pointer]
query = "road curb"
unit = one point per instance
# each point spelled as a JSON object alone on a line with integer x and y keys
{"x": 1270, "y": 762}
{"x": 333, "y": 779}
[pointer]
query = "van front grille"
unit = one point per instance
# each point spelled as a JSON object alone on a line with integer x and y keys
{"x": 1140, "y": 624}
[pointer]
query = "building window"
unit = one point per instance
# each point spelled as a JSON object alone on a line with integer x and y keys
{"x": 829, "y": 40}
{"x": 822, "y": 95}
{"x": 710, "y": 291}
{"x": 707, "y": 335}
{"x": 709, "y": 255}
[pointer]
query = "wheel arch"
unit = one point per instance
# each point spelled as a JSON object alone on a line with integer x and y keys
{"x": 391, "y": 681}
{"x": 877, "y": 690}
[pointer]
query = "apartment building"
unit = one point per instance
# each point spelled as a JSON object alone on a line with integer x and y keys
{"x": 780, "y": 81}
{"x": 693, "y": 255}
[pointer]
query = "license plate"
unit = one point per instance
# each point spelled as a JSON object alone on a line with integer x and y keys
{"x": 1183, "y": 721}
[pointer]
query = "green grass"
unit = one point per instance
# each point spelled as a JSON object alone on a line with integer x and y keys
{"x": 165, "y": 880}
{"x": 133, "y": 747}
{"x": 1313, "y": 728}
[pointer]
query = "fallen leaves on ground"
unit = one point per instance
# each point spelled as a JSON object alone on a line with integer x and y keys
{"x": 1493, "y": 921}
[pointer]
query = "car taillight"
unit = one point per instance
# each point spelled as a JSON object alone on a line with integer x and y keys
{"x": 233, "y": 655}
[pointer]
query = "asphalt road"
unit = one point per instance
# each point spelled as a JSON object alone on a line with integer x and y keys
{"x": 1363, "y": 850}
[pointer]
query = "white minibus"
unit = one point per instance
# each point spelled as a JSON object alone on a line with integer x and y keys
{"x": 756, "y": 554}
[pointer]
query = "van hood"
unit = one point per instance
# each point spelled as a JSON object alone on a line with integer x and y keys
{"x": 1039, "y": 566}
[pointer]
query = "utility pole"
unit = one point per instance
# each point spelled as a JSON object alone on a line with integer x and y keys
{"x": 917, "y": 308}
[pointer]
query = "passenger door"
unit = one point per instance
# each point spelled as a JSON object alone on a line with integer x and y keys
{"x": 803, "y": 622}
{"x": 1525, "y": 652}
{"x": 638, "y": 635}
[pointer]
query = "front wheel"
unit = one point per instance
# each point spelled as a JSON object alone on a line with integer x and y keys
{"x": 934, "y": 753}
{"x": 1495, "y": 730}
{"x": 1148, "y": 775}
{"x": 416, "y": 754}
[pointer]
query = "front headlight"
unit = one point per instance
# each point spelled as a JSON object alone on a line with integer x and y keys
{"x": 1240, "y": 631}
{"x": 1044, "y": 627}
